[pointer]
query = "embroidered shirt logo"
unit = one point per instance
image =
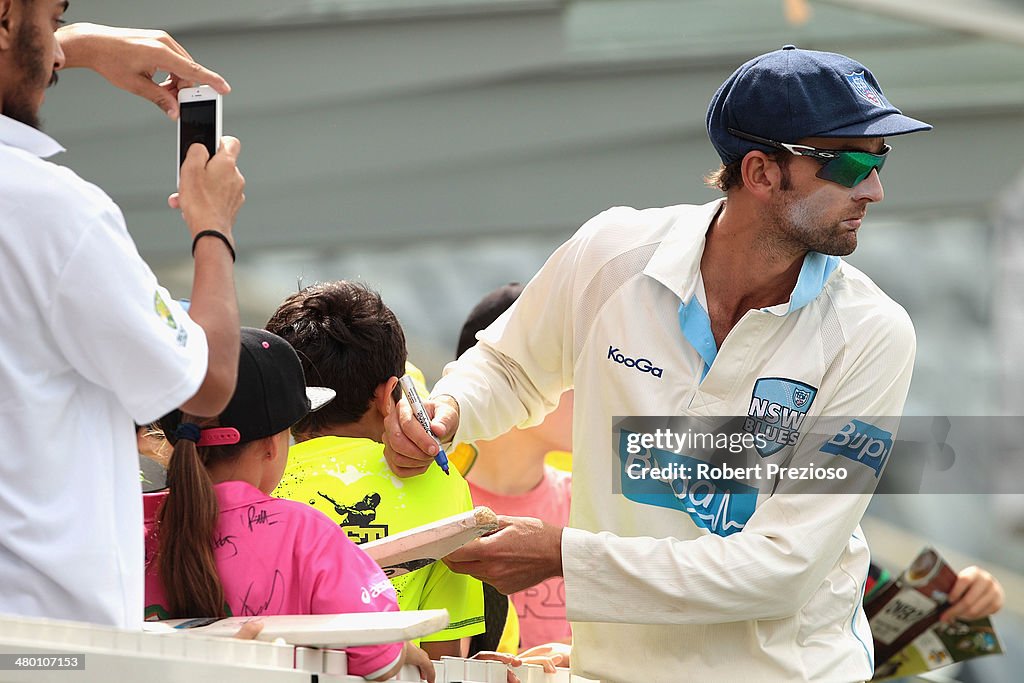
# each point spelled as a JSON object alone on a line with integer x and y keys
{"x": 164, "y": 311}
{"x": 641, "y": 364}
{"x": 778, "y": 407}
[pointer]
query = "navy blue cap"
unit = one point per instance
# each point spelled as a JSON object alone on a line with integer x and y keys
{"x": 791, "y": 94}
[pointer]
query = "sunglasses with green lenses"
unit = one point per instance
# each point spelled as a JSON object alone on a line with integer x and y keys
{"x": 844, "y": 166}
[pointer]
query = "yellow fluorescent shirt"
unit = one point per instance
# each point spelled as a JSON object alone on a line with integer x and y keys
{"x": 509, "y": 641}
{"x": 560, "y": 460}
{"x": 463, "y": 457}
{"x": 348, "y": 479}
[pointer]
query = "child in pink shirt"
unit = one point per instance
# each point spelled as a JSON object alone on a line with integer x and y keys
{"x": 541, "y": 609}
{"x": 218, "y": 545}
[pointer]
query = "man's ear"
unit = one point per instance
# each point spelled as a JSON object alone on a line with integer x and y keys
{"x": 383, "y": 396}
{"x": 761, "y": 173}
{"x": 8, "y": 20}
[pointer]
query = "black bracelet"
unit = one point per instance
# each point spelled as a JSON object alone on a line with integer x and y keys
{"x": 213, "y": 233}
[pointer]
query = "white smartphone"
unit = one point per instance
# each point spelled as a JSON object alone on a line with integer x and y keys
{"x": 199, "y": 120}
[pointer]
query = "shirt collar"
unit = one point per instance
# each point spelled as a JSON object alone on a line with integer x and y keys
{"x": 234, "y": 493}
{"x": 676, "y": 261}
{"x": 814, "y": 273}
{"x": 17, "y": 134}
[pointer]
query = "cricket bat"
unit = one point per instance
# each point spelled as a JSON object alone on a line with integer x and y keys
{"x": 418, "y": 547}
{"x": 318, "y": 630}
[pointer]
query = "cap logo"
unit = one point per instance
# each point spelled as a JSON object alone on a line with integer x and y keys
{"x": 861, "y": 86}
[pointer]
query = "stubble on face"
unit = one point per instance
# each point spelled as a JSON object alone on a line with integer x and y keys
{"x": 22, "y": 103}
{"x": 809, "y": 222}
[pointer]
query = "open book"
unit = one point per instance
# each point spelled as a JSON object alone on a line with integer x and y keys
{"x": 418, "y": 547}
{"x": 904, "y": 616}
{"x": 318, "y": 630}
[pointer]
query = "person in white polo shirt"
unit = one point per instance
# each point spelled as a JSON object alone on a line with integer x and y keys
{"x": 740, "y": 307}
{"x": 90, "y": 340}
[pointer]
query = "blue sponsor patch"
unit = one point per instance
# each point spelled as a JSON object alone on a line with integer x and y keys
{"x": 778, "y": 407}
{"x": 863, "y": 443}
{"x": 722, "y": 506}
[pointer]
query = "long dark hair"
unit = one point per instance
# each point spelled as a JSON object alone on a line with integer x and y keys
{"x": 186, "y": 524}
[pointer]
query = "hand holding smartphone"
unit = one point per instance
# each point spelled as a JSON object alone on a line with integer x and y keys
{"x": 211, "y": 193}
{"x": 200, "y": 120}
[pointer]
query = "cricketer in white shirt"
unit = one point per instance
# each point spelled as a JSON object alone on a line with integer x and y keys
{"x": 698, "y": 587}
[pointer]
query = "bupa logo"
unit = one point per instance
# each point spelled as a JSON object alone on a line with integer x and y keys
{"x": 722, "y": 506}
{"x": 778, "y": 407}
{"x": 863, "y": 443}
{"x": 863, "y": 88}
{"x": 641, "y": 364}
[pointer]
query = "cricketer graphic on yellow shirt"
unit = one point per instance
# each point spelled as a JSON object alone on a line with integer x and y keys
{"x": 348, "y": 479}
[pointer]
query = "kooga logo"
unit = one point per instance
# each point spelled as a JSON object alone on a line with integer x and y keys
{"x": 641, "y": 364}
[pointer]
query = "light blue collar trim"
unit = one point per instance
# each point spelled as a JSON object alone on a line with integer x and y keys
{"x": 814, "y": 273}
{"x": 696, "y": 326}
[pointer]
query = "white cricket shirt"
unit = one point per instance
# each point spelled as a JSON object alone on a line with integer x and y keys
{"x": 702, "y": 585}
{"x": 89, "y": 343}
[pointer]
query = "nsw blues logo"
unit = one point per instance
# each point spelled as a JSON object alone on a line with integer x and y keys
{"x": 777, "y": 411}
{"x": 862, "y": 442}
{"x": 861, "y": 86}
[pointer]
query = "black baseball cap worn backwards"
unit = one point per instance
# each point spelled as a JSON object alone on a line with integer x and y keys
{"x": 790, "y": 94}
{"x": 271, "y": 394}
